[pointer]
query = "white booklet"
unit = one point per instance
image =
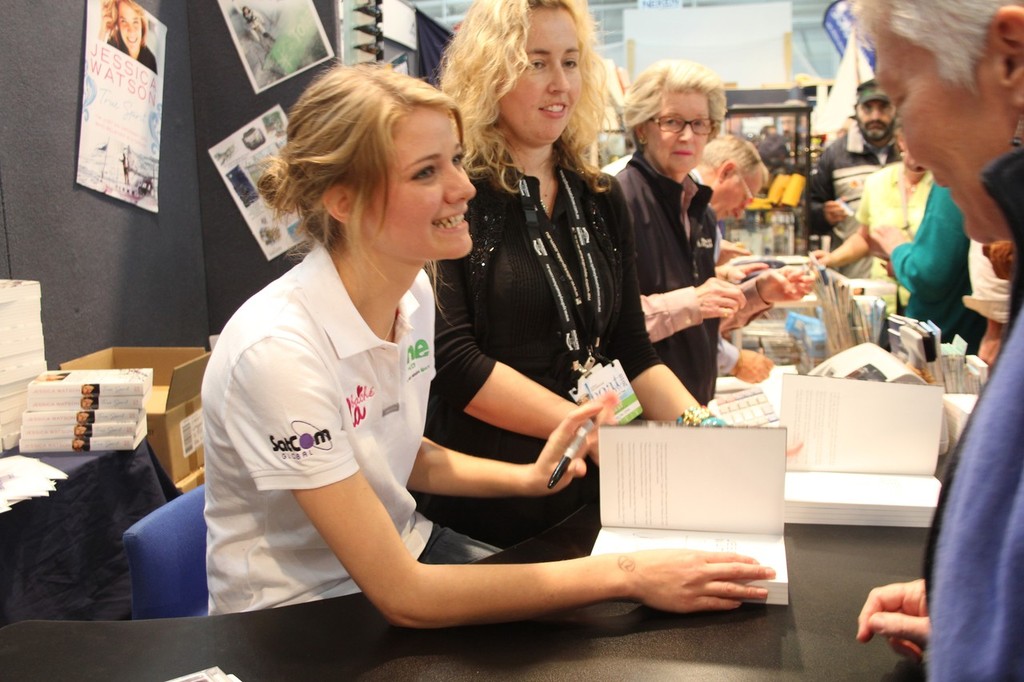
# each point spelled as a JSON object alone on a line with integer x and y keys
{"x": 719, "y": 489}
{"x": 861, "y": 452}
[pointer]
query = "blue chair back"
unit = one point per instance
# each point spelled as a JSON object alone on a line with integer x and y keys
{"x": 167, "y": 559}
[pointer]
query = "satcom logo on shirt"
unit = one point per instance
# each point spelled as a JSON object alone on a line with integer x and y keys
{"x": 356, "y": 403}
{"x": 306, "y": 438}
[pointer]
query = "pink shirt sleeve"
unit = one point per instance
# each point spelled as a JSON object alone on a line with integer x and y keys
{"x": 670, "y": 312}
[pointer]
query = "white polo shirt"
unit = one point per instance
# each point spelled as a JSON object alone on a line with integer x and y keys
{"x": 298, "y": 394}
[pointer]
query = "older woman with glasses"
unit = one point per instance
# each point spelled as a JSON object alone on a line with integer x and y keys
{"x": 674, "y": 108}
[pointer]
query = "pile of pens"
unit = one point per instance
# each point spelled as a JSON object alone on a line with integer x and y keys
{"x": 849, "y": 320}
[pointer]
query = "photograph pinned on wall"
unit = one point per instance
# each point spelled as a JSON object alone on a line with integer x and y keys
{"x": 275, "y": 39}
{"x": 122, "y": 100}
{"x": 240, "y": 161}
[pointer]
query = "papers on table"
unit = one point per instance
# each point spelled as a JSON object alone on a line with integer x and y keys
{"x": 22, "y": 478}
{"x": 668, "y": 486}
{"x": 862, "y": 452}
{"x": 214, "y": 674}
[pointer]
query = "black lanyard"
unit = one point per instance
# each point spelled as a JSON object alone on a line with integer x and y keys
{"x": 576, "y": 303}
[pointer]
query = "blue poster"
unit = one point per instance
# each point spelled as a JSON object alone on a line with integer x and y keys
{"x": 839, "y": 23}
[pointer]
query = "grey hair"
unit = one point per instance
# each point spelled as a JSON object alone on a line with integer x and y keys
{"x": 643, "y": 101}
{"x": 962, "y": 25}
{"x": 741, "y": 152}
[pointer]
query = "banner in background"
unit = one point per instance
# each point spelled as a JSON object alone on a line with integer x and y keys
{"x": 122, "y": 101}
{"x": 239, "y": 160}
{"x": 839, "y": 24}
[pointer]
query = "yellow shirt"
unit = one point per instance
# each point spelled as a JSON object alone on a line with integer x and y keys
{"x": 882, "y": 204}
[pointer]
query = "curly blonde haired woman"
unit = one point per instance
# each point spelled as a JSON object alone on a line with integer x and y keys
{"x": 511, "y": 340}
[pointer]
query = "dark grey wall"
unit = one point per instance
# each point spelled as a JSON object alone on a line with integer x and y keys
{"x": 111, "y": 274}
{"x": 224, "y": 102}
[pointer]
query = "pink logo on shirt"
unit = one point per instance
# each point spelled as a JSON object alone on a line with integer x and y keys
{"x": 355, "y": 403}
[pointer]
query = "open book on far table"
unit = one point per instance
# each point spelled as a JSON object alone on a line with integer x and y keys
{"x": 720, "y": 489}
{"x": 866, "y": 451}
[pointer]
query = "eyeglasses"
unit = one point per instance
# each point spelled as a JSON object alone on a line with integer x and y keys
{"x": 746, "y": 187}
{"x": 673, "y": 124}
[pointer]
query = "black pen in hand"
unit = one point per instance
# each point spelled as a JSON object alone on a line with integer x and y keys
{"x": 570, "y": 452}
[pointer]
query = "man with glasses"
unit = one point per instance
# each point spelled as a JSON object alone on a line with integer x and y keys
{"x": 838, "y": 180}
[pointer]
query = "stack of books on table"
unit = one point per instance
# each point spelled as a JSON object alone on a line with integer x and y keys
{"x": 92, "y": 409}
{"x": 861, "y": 452}
{"x": 21, "y": 352}
{"x": 660, "y": 489}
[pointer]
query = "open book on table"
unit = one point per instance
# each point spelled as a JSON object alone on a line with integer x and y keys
{"x": 719, "y": 489}
{"x": 862, "y": 452}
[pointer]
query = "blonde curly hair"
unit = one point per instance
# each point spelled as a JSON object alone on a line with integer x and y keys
{"x": 483, "y": 63}
{"x": 341, "y": 130}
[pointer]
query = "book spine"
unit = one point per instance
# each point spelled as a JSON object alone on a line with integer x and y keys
{"x": 60, "y": 389}
{"x": 69, "y": 432}
{"x": 72, "y": 417}
{"x": 77, "y": 444}
{"x": 71, "y": 402}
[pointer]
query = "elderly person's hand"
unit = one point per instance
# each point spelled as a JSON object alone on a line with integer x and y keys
{"x": 899, "y": 612}
{"x": 718, "y": 298}
{"x": 752, "y": 367}
{"x": 738, "y": 273}
{"x": 790, "y": 283}
{"x": 728, "y": 250}
{"x": 882, "y": 240}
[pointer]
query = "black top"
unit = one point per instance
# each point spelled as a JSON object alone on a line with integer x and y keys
{"x": 671, "y": 260}
{"x": 495, "y": 305}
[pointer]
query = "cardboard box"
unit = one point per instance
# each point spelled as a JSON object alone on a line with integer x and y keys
{"x": 192, "y": 481}
{"x": 174, "y": 408}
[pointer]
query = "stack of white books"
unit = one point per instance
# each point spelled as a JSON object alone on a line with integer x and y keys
{"x": 21, "y": 352}
{"x": 22, "y": 478}
{"x": 861, "y": 452}
{"x": 89, "y": 409}
{"x": 675, "y": 487}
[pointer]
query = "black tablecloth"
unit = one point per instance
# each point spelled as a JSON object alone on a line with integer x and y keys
{"x": 61, "y": 556}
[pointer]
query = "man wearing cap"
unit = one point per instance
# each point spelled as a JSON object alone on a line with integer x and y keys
{"x": 838, "y": 180}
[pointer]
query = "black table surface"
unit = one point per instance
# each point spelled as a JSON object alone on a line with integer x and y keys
{"x": 831, "y": 569}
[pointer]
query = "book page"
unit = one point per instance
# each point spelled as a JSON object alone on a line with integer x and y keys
{"x": 769, "y": 550}
{"x": 728, "y": 480}
{"x": 861, "y": 426}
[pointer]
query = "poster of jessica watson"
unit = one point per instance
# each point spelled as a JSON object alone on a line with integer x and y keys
{"x": 122, "y": 99}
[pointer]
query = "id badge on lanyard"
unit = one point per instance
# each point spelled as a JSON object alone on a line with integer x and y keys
{"x": 593, "y": 378}
{"x": 601, "y": 379}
